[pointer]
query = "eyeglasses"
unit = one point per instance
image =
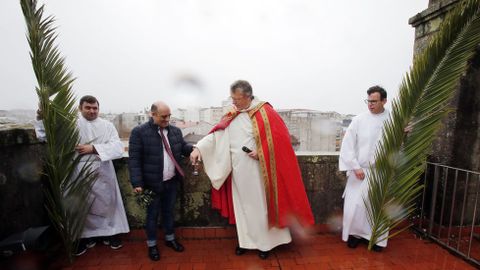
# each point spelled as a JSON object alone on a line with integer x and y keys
{"x": 373, "y": 102}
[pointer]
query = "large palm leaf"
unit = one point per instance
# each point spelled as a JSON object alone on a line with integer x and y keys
{"x": 68, "y": 184}
{"x": 423, "y": 102}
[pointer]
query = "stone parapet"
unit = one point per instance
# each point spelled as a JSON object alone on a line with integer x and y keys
{"x": 323, "y": 182}
{"x": 457, "y": 143}
{"x": 22, "y": 201}
{"x": 428, "y": 21}
{"x": 21, "y": 194}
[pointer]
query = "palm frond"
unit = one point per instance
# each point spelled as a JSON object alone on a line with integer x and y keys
{"x": 422, "y": 102}
{"x": 69, "y": 183}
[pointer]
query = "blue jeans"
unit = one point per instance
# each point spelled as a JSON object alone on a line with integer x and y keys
{"x": 163, "y": 202}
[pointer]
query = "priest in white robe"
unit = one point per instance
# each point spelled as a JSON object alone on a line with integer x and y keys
{"x": 100, "y": 144}
{"x": 357, "y": 153}
{"x": 249, "y": 156}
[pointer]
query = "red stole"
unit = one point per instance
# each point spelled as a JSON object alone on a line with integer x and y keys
{"x": 284, "y": 190}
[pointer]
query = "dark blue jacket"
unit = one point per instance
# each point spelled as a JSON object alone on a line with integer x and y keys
{"x": 145, "y": 152}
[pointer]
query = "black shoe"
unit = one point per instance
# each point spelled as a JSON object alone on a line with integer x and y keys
{"x": 113, "y": 241}
{"x": 90, "y": 242}
{"x": 240, "y": 251}
{"x": 263, "y": 254}
{"x": 377, "y": 248}
{"x": 175, "y": 245}
{"x": 81, "y": 248}
{"x": 352, "y": 241}
{"x": 153, "y": 253}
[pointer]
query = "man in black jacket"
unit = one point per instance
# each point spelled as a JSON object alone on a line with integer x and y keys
{"x": 155, "y": 151}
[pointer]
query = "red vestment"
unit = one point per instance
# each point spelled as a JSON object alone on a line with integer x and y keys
{"x": 284, "y": 189}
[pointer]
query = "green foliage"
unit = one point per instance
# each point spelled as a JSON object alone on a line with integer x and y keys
{"x": 422, "y": 103}
{"x": 69, "y": 182}
{"x": 145, "y": 198}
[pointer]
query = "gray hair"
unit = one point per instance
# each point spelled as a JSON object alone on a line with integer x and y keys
{"x": 244, "y": 87}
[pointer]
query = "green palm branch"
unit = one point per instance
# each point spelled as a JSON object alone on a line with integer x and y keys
{"x": 422, "y": 103}
{"x": 69, "y": 183}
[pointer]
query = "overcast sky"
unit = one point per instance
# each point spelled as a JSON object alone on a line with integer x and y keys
{"x": 311, "y": 54}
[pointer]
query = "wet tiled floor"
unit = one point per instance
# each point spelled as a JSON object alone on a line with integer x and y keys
{"x": 213, "y": 248}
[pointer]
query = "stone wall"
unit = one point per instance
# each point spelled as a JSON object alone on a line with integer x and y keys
{"x": 323, "y": 182}
{"x": 458, "y": 142}
{"x": 21, "y": 195}
{"x": 427, "y": 22}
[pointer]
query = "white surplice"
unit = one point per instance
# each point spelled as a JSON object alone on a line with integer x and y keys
{"x": 358, "y": 151}
{"x": 107, "y": 215}
{"x": 222, "y": 154}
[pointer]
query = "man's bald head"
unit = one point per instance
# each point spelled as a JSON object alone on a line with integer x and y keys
{"x": 159, "y": 105}
{"x": 160, "y": 113}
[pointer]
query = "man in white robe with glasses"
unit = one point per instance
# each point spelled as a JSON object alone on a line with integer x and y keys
{"x": 356, "y": 155}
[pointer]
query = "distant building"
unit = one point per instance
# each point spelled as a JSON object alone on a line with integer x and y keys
{"x": 314, "y": 130}
{"x": 7, "y": 120}
{"x": 179, "y": 113}
{"x": 125, "y": 122}
{"x": 18, "y": 116}
{"x": 346, "y": 120}
{"x": 109, "y": 116}
{"x": 187, "y": 115}
{"x": 211, "y": 115}
{"x": 200, "y": 128}
{"x": 310, "y": 130}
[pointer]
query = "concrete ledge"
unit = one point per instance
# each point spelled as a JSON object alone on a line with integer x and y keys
{"x": 432, "y": 11}
{"x": 22, "y": 201}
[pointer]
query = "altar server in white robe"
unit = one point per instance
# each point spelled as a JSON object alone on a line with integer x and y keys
{"x": 99, "y": 142}
{"x": 357, "y": 153}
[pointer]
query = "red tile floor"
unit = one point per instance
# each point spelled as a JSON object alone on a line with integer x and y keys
{"x": 213, "y": 248}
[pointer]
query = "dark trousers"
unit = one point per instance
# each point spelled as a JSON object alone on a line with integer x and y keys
{"x": 163, "y": 202}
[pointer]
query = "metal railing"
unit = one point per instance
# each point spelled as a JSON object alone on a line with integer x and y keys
{"x": 448, "y": 210}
